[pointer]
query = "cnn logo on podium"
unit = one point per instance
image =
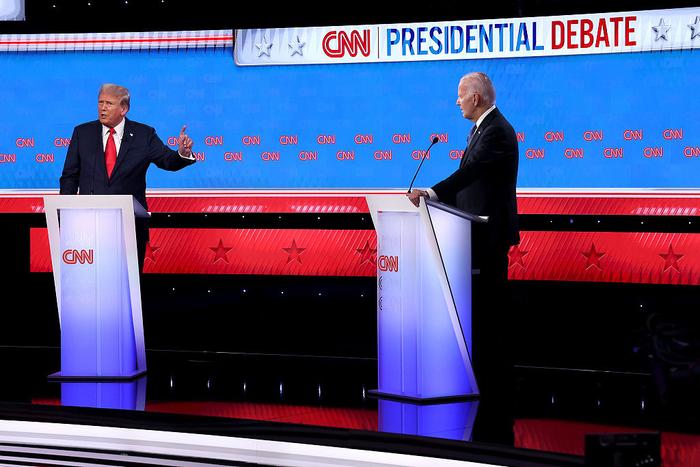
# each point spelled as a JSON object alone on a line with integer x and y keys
{"x": 388, "y": 263}
{"x": 78, "y": 256}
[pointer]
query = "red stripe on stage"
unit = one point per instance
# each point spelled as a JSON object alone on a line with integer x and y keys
{"x": 297, "y": 252}
{"x": 260, "y": 204}
{"x": 632, "y": 257}
{"x": 647, "y": 258}
{"x": 336, "y": 417}
{"x": 644, "y": 258}
{"x": 21, "y": 205}
{"x": 304, "y": 252}
{"x": 609, "y": 206}
{"x": 554, "y": 204}
{"x": 222, "y": 204}
{"x": 358, "y": 419}
{"x": 39, "y": 252}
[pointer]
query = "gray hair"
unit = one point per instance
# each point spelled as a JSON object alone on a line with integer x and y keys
{"x": 118, "y": 91}
{"x": 482, "y": 85}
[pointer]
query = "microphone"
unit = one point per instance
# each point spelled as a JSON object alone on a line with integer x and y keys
{"x": 422, "y": 159}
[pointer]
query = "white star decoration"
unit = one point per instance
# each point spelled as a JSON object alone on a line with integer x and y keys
{"x": 661, "y": 30}
{"x": 695, "y": 28}
{"x": 296, "y": 47}
{"x": 263, "y": 47}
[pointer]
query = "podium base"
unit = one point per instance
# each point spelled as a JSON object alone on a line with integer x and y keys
{"x": 376, "y": 393}
{"x": 58, "y": 376}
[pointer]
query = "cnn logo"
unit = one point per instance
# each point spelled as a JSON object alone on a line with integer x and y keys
{"x": 337, "y": 43}
{"x": 388, "y": 263}
{"x": 78, "y": 256}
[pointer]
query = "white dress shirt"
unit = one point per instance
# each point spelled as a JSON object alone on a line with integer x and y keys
{"x": 118, "y": 135}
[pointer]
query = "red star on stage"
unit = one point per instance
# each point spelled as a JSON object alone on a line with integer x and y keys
{"x": 220, "y": 252}
{"x": 671, "y": 259}
{"x": 294, "y": 252}
{"x": 593, "y": 257}
{"x": 151, "y": 252}
{"x": 367, "y": 254}
{"x": 516, "y": 255}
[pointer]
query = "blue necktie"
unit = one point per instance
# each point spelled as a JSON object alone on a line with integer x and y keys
{"x": 469, "y": 143}
{"x": 471, "y": 136}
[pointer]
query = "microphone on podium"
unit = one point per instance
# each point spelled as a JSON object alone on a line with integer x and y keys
{"x": 434, "y": 140}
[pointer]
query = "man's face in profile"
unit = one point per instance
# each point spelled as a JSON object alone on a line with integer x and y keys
{"x": 109, "y": 110}
{"x": 465, "y": 99}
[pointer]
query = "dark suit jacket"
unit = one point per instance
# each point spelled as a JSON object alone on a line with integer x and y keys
{"x": 85, "y": 172}
{"x": 484, "y": 183}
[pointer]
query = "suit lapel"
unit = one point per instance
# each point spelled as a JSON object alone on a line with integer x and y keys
{"x": 464, "y": 156}
{"x": 124, "y": 147}
{"x": 477, "y": 135}
{"x": 99, "y": 163}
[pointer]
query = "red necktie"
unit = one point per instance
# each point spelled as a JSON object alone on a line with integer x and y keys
{"x": 110, "y": 153}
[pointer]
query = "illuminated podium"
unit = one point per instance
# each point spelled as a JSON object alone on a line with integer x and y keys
{"x": 424, "y": 300}
{"x": 454, "y": 420}
{"x": 95, "y": 268}
{"x": 125, "y": 395}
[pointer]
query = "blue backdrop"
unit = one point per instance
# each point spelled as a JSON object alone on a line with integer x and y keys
{"x": 45, "y": 94}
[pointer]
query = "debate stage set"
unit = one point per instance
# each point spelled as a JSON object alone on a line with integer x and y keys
{"x": 294, "y": 307}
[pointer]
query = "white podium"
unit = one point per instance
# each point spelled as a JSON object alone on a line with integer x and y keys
{"x": 424, "y": 301}
{"x": 96, "y": 272}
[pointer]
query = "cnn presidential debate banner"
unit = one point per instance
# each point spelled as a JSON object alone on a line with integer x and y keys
{"x": 598, "y": 101}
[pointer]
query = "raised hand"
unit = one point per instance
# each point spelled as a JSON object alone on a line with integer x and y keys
{"x": 184, "y": 143}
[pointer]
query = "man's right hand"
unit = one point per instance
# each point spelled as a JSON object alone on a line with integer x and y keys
{"x": 184, "y": 143}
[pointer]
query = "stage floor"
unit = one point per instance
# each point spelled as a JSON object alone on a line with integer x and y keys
{"x": 552, "y": 409}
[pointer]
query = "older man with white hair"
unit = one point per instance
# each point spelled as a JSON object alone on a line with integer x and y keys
{"x": 484, "y": 184}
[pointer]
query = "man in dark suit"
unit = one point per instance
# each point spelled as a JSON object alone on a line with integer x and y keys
{"x": 110, "y": 156}
{"x": 484, "y": 184}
